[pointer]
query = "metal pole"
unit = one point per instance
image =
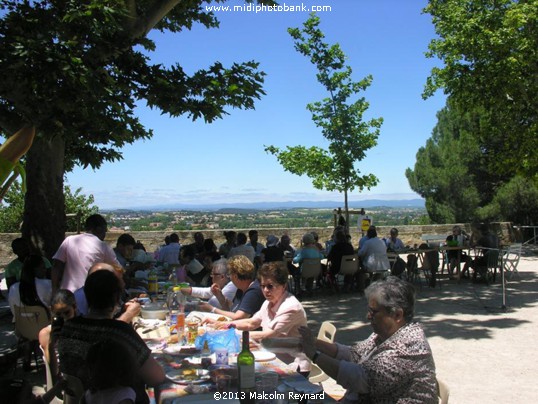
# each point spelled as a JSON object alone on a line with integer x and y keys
{"x": 503, "y": 307}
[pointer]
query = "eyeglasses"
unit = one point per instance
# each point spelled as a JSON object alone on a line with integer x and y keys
{"x": 372, "y": 311}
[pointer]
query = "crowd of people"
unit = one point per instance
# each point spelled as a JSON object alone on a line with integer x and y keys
{"x": 86, "y": 291}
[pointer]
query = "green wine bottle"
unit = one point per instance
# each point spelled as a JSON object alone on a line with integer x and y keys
{"x": 247, "y": 377}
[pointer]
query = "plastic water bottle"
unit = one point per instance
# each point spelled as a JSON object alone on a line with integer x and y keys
{"x": 176, "y": 308}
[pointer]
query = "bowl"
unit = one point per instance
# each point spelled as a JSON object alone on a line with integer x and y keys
{"x": 217, "y": 370}
{"x": 154, "y": 313}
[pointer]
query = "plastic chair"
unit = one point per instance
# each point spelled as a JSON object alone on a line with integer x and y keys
{"x": 74, "y": 390}
{"x": 29, "y": 320}
{"x": 511, "y": 260}
{"x": 310, "y": 269}
{"x": 348, "y": 266}
{"x": 326, "y": 333}
{"x": 443, "y": 392}
{"x": 48, "y": 373}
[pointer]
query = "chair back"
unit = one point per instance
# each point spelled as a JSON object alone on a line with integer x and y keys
{"x": 74, "y": 390}
{"x": 310, "y": 268}
{"x": 349, "y": 264}
{"x": 443, "y": 392}
{"x": 29, "y": 320}
{"x": 327, "y": 331}
{"x": 493, "y": 258}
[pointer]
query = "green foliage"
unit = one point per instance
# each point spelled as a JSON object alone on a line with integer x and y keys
{"x": 515, "y": 201}
{"x": 340, "y": 120}
{"x": 12, "y": 208}
{"x": 489, "y": 50}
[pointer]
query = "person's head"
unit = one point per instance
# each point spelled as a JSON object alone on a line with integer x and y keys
{"x": 199, "y": 238}
{"x": 96, "y": 224}
{"x": 103, "y": 291}
{"x": 110, "y": 364}
{"x": 240, "y": 269}
{"x": 391, "y": 305}
{"x": 272, "y": 240}
{"x": 125, "y": 245}
{"x": 372, "y": 232}
{"x": 230, "y": 237}
{"x": 167, "y": 240}
{"x": 117, "y": 270}
{"x": 340, "y": 237}
{"x": 20, "y": 247}
{"x": 219, "y": 272}
{"x": 209, "y": 245}
{"x": 285, "y": 240}
{"x": 174, "y": 238}
{"x": 241, "y": 238}
{"x": 63, "y": 304}
{"x": 273, "y": 278}
{"x": 316, "y": 236}
{"x": 253, "y": 236}
{"x": 186, "y": 254}
{"x": 393, "y": 233}
{"x": 308, "y": 239}
{"x": 456, "y": 230}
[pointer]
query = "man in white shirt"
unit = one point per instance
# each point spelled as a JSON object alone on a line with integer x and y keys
{"x": 78, "y": 253}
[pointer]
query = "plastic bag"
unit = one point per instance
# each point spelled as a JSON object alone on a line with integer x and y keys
{"x": 219, "y": 339}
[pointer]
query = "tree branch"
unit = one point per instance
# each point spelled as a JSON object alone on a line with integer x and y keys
{"x": 155, "y": 13}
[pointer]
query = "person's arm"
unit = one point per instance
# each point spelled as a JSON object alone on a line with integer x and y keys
{"x": 57, "y": 275}
{"x": 238, "y": 315}
{"x": 151, "y": 372}
{"x": 10, "y": 280}
{"x": 132, "y": 309}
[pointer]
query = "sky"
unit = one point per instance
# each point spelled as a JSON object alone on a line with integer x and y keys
{"x": 225, "y": 162}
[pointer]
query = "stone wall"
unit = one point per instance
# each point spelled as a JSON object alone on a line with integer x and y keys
{"x": 409, "y": 234}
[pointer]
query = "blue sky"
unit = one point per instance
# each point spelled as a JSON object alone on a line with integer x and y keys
{"x": 225, "y": 161}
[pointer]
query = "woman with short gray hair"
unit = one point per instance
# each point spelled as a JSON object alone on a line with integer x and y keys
{"x": 394, "y": 365}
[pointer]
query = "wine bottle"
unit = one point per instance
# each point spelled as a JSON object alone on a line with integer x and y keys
{"x": 247, "y": 378}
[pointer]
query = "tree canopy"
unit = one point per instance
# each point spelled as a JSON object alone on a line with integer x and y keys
{"x": 76, "y": 70}
{"x": 339, "y": 117}
{"x": 489, "y": 51}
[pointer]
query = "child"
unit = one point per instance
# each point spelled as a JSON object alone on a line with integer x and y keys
{"x": 110, "y": 366}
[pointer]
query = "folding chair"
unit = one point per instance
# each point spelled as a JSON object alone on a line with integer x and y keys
{"x": 326, "y": 333}
{"x": 511, "y": 260}
{"x": 310, "y": 269}
{"x": 29, "y": 320}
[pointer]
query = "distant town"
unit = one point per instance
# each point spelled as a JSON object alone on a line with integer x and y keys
{"x": 133, "y": 220}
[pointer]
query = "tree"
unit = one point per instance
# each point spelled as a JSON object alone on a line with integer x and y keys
{"x": 489, "y": 49}
{"x": 76, "y": 70}
{"x": 340, "y": 120}
{"x": 12, "y": 211}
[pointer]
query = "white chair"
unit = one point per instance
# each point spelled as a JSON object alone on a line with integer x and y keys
{"x": 510, "y": 260}
{"x": 310, "y": 270}
{"x": 443, "y": 392}
{"x": 348, "y": 266}
{"x": 48, "y": 373}
{"x": 326, "y": 333}
{"x": 29, "y": 320}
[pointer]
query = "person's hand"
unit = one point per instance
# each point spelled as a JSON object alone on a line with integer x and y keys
{"x": 203, "y": 306}
{"x": 208, "y": 320}
{"x": 132, "y": 309}
{"x": 222, "y": 325}
{"x": 215, "y": 289}
{"x": 308, "y": 341}
{"x": 186, "y": 291}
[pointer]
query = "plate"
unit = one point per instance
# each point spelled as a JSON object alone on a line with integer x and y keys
{"x": 198, "y": 376}
{"x": 263, "y": 356}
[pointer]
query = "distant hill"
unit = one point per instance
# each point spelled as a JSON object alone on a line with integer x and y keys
{"x": 370, "y": 203}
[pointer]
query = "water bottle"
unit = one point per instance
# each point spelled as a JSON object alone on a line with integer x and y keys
{"x": 153, "y": 284}
{"x": 176, "y": 308}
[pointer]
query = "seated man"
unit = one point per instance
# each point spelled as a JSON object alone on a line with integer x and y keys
{"x": 393, "y": 242}
{"x": 222, "y": 287}
{"x": 242, "y": 248}
{"x": 272, "y": 252}
{"x": 373, "y": 255}
{"x": 170, "y": 253}
{"x": 21, "y": 248}
{"x": 249, "y": 297}
{"x": 488, "y": 241}
{"x": 455, "y": 257}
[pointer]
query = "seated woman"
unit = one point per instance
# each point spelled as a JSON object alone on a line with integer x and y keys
{"x": 103, "y": 290}
{"x": 395, "y": 364}
{"x": 338, "y": 250}
{"x": 458, "y": 238}
{"x": 281, "y": 314}
{"x": 33, "y": 289}
{"x": 309, "y": 250}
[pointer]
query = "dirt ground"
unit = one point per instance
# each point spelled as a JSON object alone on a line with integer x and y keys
{"x": 483, "y": 353}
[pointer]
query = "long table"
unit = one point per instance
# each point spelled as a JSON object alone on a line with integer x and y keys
{"x": 171, "y": 361}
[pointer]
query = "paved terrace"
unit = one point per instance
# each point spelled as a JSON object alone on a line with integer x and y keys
{"x": 485, "y": 355}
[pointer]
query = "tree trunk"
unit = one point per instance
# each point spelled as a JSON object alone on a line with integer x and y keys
{"x": 44, "y": 204}
{"x": 346, "y": 207}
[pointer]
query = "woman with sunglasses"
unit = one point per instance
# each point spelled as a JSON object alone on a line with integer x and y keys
{"x": 394, "y": 365}
{"x": 281, "y": 314}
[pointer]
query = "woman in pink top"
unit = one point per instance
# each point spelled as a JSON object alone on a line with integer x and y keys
{"x": 281, "y": 314}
